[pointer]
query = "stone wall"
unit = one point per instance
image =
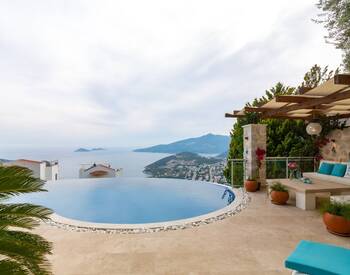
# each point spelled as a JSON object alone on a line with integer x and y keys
{"x": 338, "y": 149}
{"x": 254, "y": 137}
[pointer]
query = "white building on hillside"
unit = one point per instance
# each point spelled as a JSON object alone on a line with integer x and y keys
{"x": 45, "y": 170}
{"x": 98, "y": 171}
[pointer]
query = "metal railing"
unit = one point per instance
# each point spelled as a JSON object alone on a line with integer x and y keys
{"x": 276, "y": 167}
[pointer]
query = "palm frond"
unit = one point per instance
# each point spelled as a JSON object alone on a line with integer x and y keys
{"x": 27, "y": 249}
{"x": 15, "y": 180}
{"x": 10, "y": 267}
{"x": 22, "y": 215}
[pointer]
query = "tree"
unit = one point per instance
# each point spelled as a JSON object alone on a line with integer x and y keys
{"x": 21, "y": 252}
{"x": 336, "y": 18}
{"x": 316, "y": 75}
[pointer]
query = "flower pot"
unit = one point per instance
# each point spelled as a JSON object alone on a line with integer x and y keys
{"x": 251, "y": 185}
{"x": 337, "y": 225}
{"x": 279, "y": 197}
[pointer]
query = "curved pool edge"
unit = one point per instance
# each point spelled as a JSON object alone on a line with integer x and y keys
{"x": 241, "y": 201}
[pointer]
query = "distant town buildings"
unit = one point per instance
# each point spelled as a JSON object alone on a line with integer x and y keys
{"x": 98, "y": 171}
{"x": 44, "y": 170}
{"x": 190, "y": 169}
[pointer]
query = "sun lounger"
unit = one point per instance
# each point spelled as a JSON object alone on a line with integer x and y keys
{"x": 319, "y": 259}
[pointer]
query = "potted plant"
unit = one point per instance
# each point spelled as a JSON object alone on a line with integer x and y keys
{"x": 251, "y": 185}
{"x": 336, "y": 217}
{"x": 279, "y": 193}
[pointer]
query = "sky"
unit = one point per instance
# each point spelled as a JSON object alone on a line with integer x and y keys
{"x": 136, "y": 73}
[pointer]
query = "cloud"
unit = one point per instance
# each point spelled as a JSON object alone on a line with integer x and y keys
{"x": 129, "y": 73}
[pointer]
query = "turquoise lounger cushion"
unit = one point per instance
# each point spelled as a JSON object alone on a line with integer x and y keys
{"x": 319, "y": 259}
{"x": 339, "y": 170}
{"x": 326, "y": 168}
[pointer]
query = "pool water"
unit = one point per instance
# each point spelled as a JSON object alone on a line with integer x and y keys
{"x": 130, "y": 200}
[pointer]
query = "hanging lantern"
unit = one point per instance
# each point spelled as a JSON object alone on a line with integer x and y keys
{"x": 314, "y": 128}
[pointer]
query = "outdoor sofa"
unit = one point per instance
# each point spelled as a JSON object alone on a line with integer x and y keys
{"x": 328, "y": 175}
{"x": 314, "y": 258}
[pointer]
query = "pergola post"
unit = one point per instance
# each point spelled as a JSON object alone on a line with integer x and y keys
{"x": 254, "y": 137}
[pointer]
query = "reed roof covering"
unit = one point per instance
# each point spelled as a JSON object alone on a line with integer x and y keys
{"x": 331, "y": 98}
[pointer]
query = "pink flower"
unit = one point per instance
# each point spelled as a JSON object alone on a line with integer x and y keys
{"x": 292, "y": 165}
{"x": 260, "y": 155}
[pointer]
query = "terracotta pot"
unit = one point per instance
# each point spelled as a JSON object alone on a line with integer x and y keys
{"x": 251, "y": 185}
{"x": 336, "y": 224}
{"x": 279, "y": 197}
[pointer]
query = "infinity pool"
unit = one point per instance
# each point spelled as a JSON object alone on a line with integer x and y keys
{"x": 130, "y": 200}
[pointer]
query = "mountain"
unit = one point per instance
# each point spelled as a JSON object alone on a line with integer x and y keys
{"x": 222, "y": 155}
{"x": 188, "y": 157}
{"x": 207, "y": 144}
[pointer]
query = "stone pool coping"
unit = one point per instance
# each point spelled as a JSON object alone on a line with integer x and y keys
{"x": 240, "y": 202}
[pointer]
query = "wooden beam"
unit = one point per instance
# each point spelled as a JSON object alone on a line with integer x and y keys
{"x": 290, "y": 117}
{"x": 229, "y": 115}
{"x": 257, "y": 109}
{"x": 310, "y": 103}
{"x": 344, "y": 116}
{"x": 342, "y": 79}
{"x": 293, "y": 98}
{"x": 333, "y": 107}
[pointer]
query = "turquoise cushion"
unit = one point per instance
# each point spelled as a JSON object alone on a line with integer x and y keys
{"x": 339, "y": 170}
{"x": 326, "y": 168}
{"x": 319, "y": 259}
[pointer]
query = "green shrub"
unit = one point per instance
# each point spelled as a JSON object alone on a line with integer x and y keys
{"x": 277, "y": 186}
{"x": 337, "y": 208}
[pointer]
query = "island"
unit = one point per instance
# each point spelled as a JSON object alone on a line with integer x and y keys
{"x": 187, "y": 165}
{"x": 98, "y": 149}
{"x": 83, "y": 150}
{"x": 207, "y": 144}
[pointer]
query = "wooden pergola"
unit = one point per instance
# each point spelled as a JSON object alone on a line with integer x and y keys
{"x": 332, "y": 98}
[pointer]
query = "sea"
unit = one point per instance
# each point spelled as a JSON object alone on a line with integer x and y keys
{"x": 132, "y": 163}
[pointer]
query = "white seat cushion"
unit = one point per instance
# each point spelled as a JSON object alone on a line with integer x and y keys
{"x": 329, "y": 178}
{"x": 347, "y": 172}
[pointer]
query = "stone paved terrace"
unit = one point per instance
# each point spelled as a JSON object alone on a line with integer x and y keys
{"x": 255, "y": 241}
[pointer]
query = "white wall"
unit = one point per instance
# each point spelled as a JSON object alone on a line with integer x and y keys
{"x": 52, "y": 172}
{"x": 38, "y": 169}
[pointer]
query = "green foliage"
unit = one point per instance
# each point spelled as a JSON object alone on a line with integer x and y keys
{"x": 285, "y": 137}
{"x": 316, "y": 75}
{"x": 277, "y": 186}
{"x": 337, "y": 208}
{"x": 21, "y": 252}
{"x": 336, "y": 18}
